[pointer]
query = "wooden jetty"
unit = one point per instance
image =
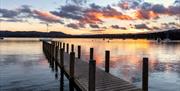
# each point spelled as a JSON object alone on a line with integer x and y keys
{"x": 86, "y": 76}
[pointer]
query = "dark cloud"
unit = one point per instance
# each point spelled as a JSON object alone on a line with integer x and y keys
{"x": 94, "y": 26}
{"x": 94, "y": 6}
{"x": 155, "y": 28}
{"x": 174, "y": 10}
{"x": 115, "y": 26}
{"x": 25, "y": 9}
{"x": 75, "y": 25}
{"x": 8, "y": 13}
{"x": 78, "y": 2}
{"x": 70, "y": 11}
{"x": 14, "y": 13}
{"x": 129, "y": 4}
{"x": 118, "y": 27}
{"x": 177, "y": 2}
{"x": 147, "y": 10}
{"x": 141, "y": 26}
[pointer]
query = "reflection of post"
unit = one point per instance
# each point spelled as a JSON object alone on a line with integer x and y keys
{"x": 145, "y": 74}
{"x": 72, "y": 59}
{"x": 92, "y": 72}
{"x": 62, "y": 80}
{"x": 56, "y": 73}
{"x": 107, "y": 56}
{"x": 62, "y": 57}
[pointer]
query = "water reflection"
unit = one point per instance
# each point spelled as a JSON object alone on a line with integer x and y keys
{"x": 126, "y": 60}
{"x": 23, "y": 67}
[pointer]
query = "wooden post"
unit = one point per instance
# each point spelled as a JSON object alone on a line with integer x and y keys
{"x": 67, "y": 48}
{"x": 145, "y": 74}
{"x": 62, "y": 57}
{"x": 91, "y": 53}
{"x": 107, "y": 58}
{"x": 79, "y": 52}
{"x": 64, "y": 46}
{"x": 92, "y": 75}
{"x": 72, "y": 48}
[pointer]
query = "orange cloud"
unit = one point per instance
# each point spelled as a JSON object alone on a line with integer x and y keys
{"x": 46, "y": 16}
{"x": 94, "y": 16}
{"x": 142, "y": 14}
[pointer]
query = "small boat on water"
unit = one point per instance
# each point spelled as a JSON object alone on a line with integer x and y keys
{"x": 1, "y": 38}
{"x": 166, "y": 40}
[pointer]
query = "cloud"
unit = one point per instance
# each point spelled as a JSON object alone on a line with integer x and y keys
{"x": 75, "y": 25}
{"x": 26, "y": 12}
{"x": 141, "y": 26}
{"x": 94, "y": 26}
{"x": 78, "y": 2}
{"x": 145, "y": 14}
{"x": 11, "y": 20}
{"x": 145, "y": 10}
{"x": 95, "y": 14}
{"x": 46, "y": 16}
{"x": 118, "y": 27}
{"x": 129, "y": 4}
{"x": 70, "y": 11}
{"x": 8, "y": 13}
{"x": 24, "y": 9}
{"x": 177, "y": 2}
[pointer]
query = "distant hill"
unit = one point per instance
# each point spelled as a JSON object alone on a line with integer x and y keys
{"x": 31, "y": 34}
{"x": 170, "y": 34}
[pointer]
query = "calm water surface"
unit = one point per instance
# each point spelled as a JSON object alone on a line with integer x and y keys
{"x": 126, "y": 60}
{"x": 24, "y": 67}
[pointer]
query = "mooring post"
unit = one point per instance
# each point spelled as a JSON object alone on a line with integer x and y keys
{"x": 92, "y": 72}
{"x": 107, "y": 59}
{"x": 72, "y": 48}
{"x": 91, "y": 53}
{"x": 64, "y": 46}
{"x": 72, "y": 59}
{"x": 79, "y": 51}
{"x": 67, "y": 48}
{"x": 145, "y": 74}
{"x": 62, "y": 57}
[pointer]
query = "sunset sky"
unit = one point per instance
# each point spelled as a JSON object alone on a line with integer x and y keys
{"x": 90, "y": 16}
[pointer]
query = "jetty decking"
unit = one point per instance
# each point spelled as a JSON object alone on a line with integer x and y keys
{"x": 85, "y": 76}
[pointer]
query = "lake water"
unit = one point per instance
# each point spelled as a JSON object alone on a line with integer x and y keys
{"x": 126, "y": 60}
{"x": 24, "y": 67}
